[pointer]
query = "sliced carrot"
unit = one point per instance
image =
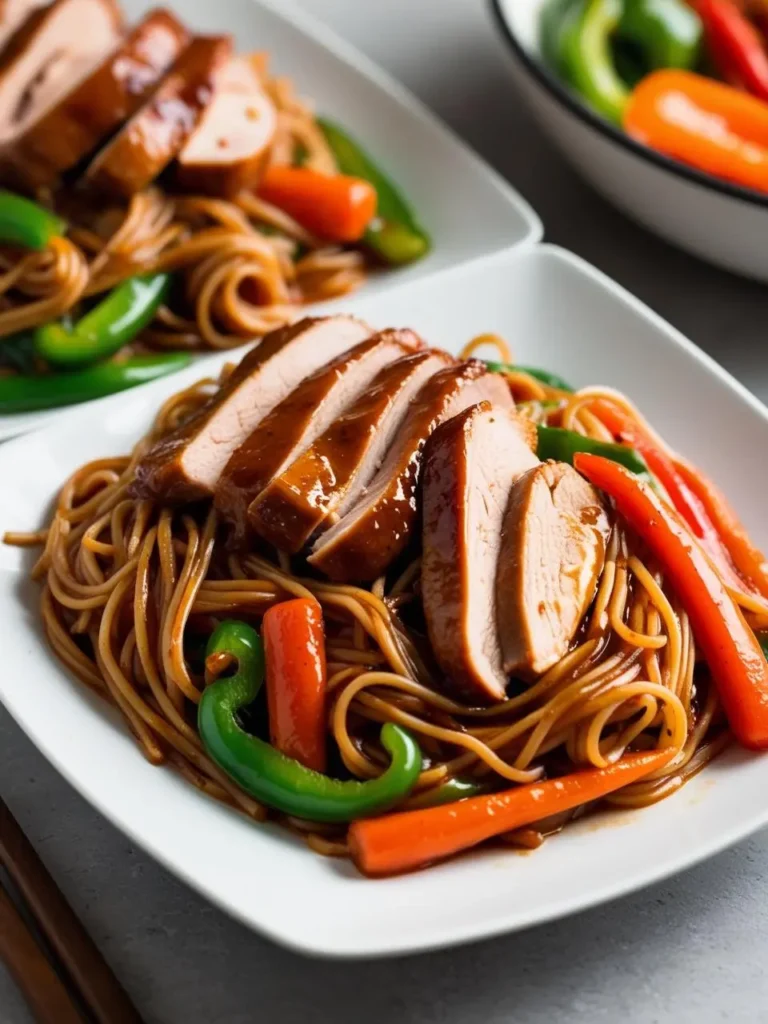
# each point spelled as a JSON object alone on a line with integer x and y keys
{"x": 294, "y": 650}
{"x": 411, "y": 839}
{"x": 733, "y": 653}
{"x": 748, "y": 559}
{"x": 336, "y": 207}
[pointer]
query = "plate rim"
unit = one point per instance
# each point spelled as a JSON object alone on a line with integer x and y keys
{"x": 310, "y": 943}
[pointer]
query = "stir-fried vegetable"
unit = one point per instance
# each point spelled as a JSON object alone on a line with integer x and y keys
{"x": 734, "y": 45}
{"x": 449, "y": 792}
{"x": 268, "y": 775}
{"x": 336, "y": 207}
{"x": 633, "y": 61}
{"x": 586, "y": 57}
{"x": 27, "y": 224}
{"x": 625, "y": 429}
{"x": 735, "y": 658}
{"x": 412, "y": 839}
{"x": 294, "y": 648}
{"x": 666, "y": 33}
{"x": 687, "y": 502}
{"x": 601, "y": 47}
{"x": 748, "y": 559}
{"x": 562, "y": 445}
{"x": 395, "y": 234}
{"x": 543, "y": 376}
{"x": 25, "y": 393}
{"x": 115, "y": 321}
{"x": 704, "y": 123}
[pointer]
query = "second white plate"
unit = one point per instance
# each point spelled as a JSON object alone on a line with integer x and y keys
{"x": 468, "y": 209}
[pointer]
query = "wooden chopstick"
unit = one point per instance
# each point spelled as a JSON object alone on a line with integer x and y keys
{"x": 46, "y": 996}
{"x": 98, "y": 987}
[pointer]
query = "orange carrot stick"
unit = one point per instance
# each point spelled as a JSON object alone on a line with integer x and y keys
{"x": 412, "y": 839}
{"x": 294, "y": 650}
{"x": 336, "y": 207}
{"x": 733, "y": 653}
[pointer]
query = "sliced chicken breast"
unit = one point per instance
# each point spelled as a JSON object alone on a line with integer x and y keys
{"x": 552, "y": 554}
{"x": 299, "y": 419}
{"x": 365, "y": 541}
{"x": 187, "y": 464}
{"x": 470, "y": 465}
{"x": 231, "y": 144}
{"x": 13, "y": 14}
{"x": 327, "y": 478}
{"x": 159, "y": 130}
{"x": 56, "y": 47}
{"x": 73, "y": 127}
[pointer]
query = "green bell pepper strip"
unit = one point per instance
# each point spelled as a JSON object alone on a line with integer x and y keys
{"x": 561, "y": 445}
{"x": 48, "y": 391}
{"x": 664, "y": 33}
{"x": 27, "y": 224}
{"x": 271, "y": 777}
{"x": 544, "y": 376}
{"x": 587, "y": 60}
{"x": 106, "y": 328}
{"x": 395, "y": 233}
{"x": 449, "y": 792}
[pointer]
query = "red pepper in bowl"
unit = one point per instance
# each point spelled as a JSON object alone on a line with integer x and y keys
{"x": 734, "y": 45}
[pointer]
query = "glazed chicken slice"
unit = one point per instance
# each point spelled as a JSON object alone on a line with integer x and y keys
{"x": 330, "y": 475}
{"x": 50, "y": 53}
{"x": 85, "y": 116}
{"x": 159, "y": 130}
{"x": 231, "y": 144}
{"x": 470, "y": 465}
{"x": 187, "y": 464}
{"x": 13, "y": 14}
{"x": 552, "y": 554}
{"x": 365, "y": 541}
{"x": 299, "y": 419}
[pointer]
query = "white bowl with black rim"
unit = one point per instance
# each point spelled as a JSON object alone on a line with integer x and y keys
{"x": 720, "y": 222}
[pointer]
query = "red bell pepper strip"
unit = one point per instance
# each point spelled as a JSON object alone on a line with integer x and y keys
{"x": 336, "y": 207}
{"x": 687, "y": 500}
{"x": 412, "y": 839}
{"x": 706, "y": 124}
{"x": 294, "y": 649}
{"x": 626, "y": 430}
{"x": 734, "y": 45}
{"x": 749, "y": 560}
{"x": 736, "y": 661}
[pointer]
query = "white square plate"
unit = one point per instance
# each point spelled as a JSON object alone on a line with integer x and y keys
{"x": 558, "y": 313}
{"x": 467, "y": 208}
